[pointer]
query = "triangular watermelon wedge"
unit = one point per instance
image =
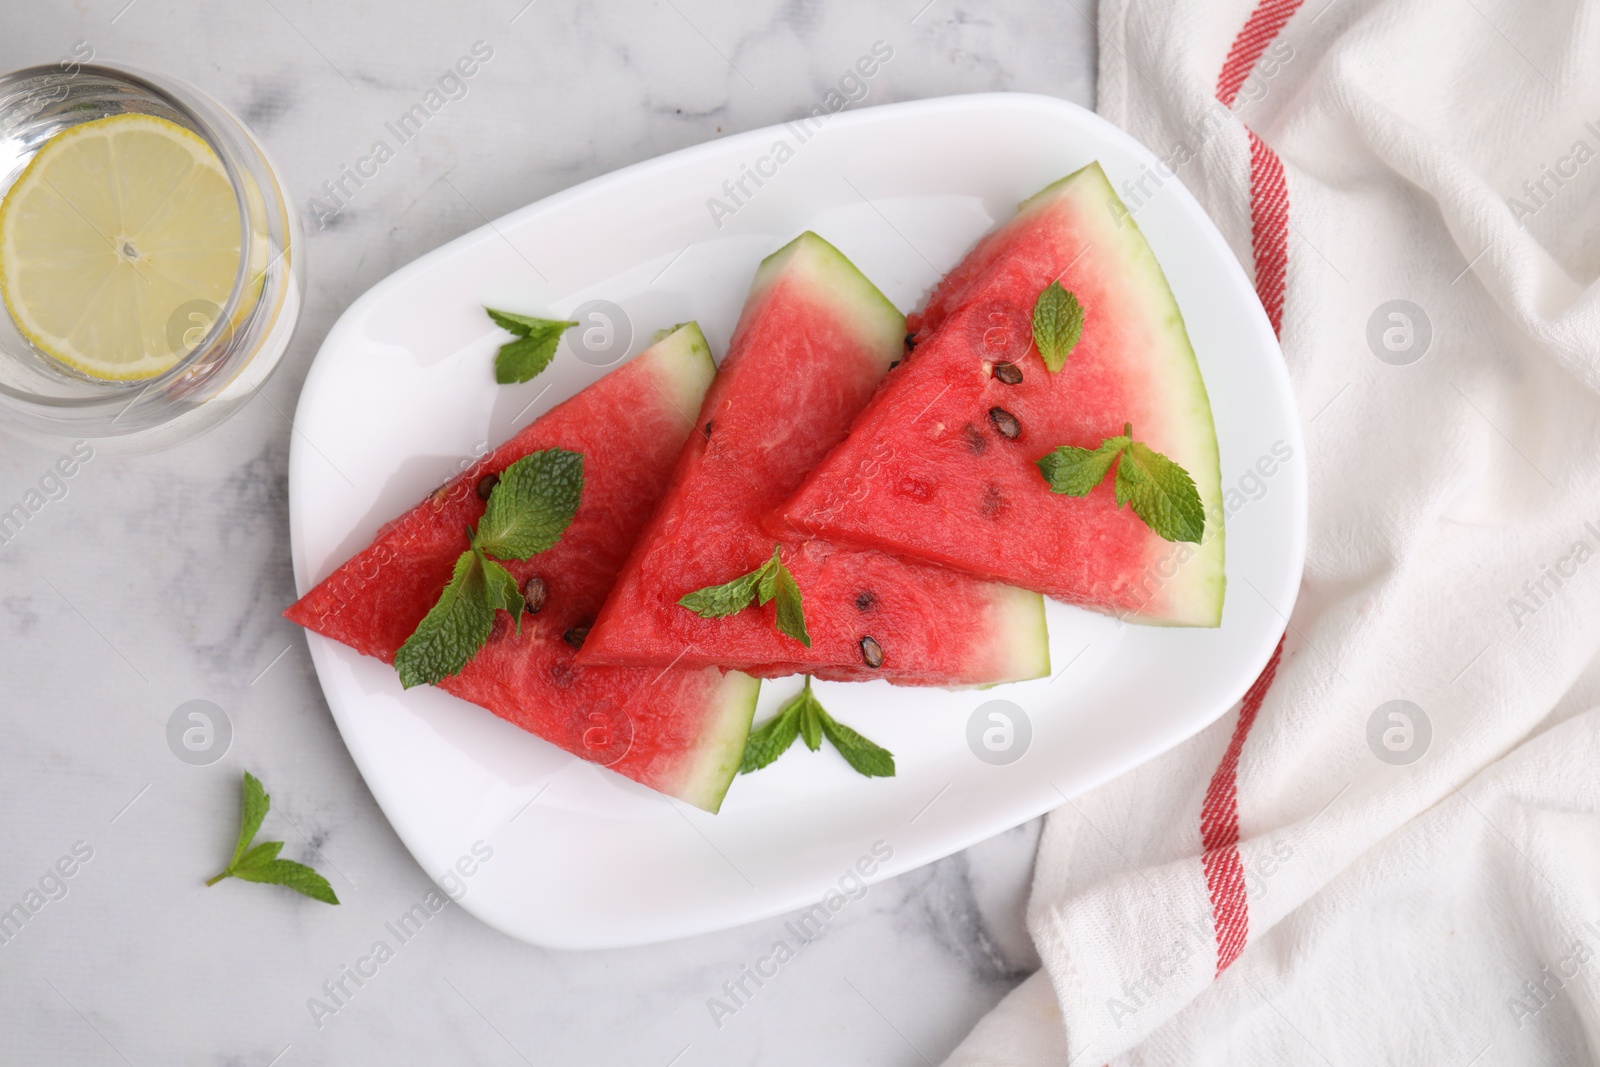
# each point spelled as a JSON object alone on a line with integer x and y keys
{"x": 814, "y": 340}
{"x": 928, "y": 471}
{"x": 679, "y": 731}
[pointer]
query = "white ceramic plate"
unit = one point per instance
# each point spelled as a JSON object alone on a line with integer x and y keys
{"x": 401, "y": 396}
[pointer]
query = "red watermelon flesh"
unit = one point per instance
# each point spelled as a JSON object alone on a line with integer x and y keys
{"x": 814, "y": 340}
{"x": 681, "y": 731}
{"x": 926, "y": 472}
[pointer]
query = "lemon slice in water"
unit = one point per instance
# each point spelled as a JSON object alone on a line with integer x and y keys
{"x": 119, "y": 245}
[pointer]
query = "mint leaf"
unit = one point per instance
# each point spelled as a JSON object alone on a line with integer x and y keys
{"x": 452, "y": 631}
{"x": 532, "y": 352}
{"x": 772, "y": 739}
{"x": 1075, "y": 471}
{"x": 867, "y": 758}
{"x": 803, "y": 716}
{"x": 501, "y": 589}
{"x": 261, "y": 863}
{"x": 296, "y": 876}
{"x": 791, "y": 612}
{"x": 767, "y": 582}
{"x": 1057, "y": 325}
{"x": 253, "y": 806}
{"x": 767, "y": 587}
{"x": 530, "y": 507}
{"x": 261, "y": 854}
{"x": 525, "y": 325}
{"x": 811, "y": 716}
{"x": 1161, "y": 493}
{"x": 532, "y": 504}
{"x": 715, "y": 601}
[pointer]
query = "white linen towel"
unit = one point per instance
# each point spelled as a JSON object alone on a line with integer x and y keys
{"x": 1326, "y": 875}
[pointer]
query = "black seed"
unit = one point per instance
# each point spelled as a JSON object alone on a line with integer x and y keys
{"x": 975, "y": 439}
{"x": 895, "y": 364}
{"x": 1008, "y": 373}
{"x": 871, "y": 653}
{"x": 486, "y": 485}
{"x": 533, "y": 595}
{"x": 709, "y": 423}
{"x": 911, "y": 341}
{"x": 865, "y": 600}
{"x": 575, "y": 636}
{"x": 1006, "y": 423}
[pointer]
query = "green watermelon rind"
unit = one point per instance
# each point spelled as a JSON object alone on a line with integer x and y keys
{"x": 878, "y": 323}
{"x": 683, "y": 367}
{"x": 1022, "y": 634}
{"x": 720, "y": 747}
{"x": 1201, "y": 602}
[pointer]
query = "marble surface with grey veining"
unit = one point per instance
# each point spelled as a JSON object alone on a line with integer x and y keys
{"x": 147, "y": 582}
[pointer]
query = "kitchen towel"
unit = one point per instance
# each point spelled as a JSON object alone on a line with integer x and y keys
{"x": 1390, "y": 852}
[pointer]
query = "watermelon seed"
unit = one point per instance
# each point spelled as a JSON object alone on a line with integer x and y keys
{"x": 486, "y": 485}
{"x": 1008, "y": 373}
{"x": 1006, "y": 423}
{"x": 575, "y": 636}
{"x": 895, "y": 364}
{"x": 871, "y": 653}
{"x": 911, "y": 342}
{"x": 865, "y": 600}
{"x": 709, "y": 424}
{"x": 533, "y": 595}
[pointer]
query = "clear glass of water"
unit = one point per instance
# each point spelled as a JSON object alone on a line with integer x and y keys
{"x": 235, "y": 345}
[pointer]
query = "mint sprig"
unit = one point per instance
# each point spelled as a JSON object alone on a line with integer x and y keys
{"x": 260, "y": 863}
{"x": 532, "y": 351}
{"x": 767, "y": 582}
{"x": 1057, "y": 325}
{"x": 1160, "y": 491}
{"x": 803, "y": 716}
{"x": 529, "y": 509}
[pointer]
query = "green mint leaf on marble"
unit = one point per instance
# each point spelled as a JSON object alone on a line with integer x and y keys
{"x": 1159, "y": 491}
{"x": 1057, "y": 325}
{"x": 532, "y": 351}
{"x": 804, "y": 717}
{"x": 261, "y": 863}
{"x": 296, "y": 876}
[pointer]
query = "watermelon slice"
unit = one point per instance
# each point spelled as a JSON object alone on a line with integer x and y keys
{"x": 814, "y": 340}
{"x": 928, "y": 472}
{"x": 681, "y": 731}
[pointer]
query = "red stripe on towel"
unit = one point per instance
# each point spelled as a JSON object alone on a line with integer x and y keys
{"x": 1269, "y": 245}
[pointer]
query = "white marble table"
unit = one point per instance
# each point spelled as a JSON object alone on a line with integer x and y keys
{"x": 158, "y": 580}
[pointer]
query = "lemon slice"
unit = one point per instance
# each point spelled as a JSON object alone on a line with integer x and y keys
{"x": 119, "y": 245}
